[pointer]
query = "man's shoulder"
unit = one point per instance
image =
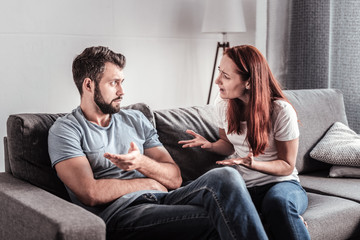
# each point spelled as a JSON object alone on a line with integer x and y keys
{"x": 69, "y": 121}
{"x": 130, "y": 115}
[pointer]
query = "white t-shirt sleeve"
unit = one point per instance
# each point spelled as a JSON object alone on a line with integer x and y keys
{"x": 285, "y": 119}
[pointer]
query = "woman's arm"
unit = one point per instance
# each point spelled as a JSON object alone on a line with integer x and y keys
{"x": 284, "y": 165}
{"x": 221, "y": 146}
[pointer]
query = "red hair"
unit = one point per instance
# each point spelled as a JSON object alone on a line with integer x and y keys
{"x": 264, "y": 89}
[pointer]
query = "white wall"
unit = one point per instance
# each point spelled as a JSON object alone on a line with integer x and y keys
{"x": 169, "y": 60}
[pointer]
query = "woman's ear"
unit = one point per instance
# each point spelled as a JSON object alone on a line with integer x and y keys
{"x": 247, "y": 85}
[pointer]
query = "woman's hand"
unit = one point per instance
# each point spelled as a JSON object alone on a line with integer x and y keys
{"x": 197, "y": 141}
{"x": 246, "y": 161}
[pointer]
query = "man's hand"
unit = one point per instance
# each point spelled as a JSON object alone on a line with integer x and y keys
{"x": 129, "y": 161}
{"x": 156, "y": 163}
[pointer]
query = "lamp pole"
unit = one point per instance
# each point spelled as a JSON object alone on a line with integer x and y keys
{"x": 225, "y": 44}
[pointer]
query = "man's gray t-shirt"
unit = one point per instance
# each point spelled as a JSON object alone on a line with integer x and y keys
{"x": 73, "y": 136}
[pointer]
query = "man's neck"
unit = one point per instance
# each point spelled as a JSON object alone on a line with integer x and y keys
{"x": 95, "y": 115}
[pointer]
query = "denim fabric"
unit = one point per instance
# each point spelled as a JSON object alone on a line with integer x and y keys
{"x": 217, "y": 205}
{"x": 280, "y": 205}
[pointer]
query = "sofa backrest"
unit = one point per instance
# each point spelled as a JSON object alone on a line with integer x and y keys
{"x": 28, "y": 154}
{"x": 26, "y": 149}
{"x": 171, "y": 125}
{"x": 317, "y": 110}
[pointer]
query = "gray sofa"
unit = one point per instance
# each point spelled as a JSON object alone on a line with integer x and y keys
{"x": 34, "y": 203}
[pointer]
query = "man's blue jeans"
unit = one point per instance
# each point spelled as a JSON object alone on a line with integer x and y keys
{"x": 280, "y": 205}
{"x": 217, "y": 205}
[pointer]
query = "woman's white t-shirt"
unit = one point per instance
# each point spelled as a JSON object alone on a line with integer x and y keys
{"x": 285, "y": 128}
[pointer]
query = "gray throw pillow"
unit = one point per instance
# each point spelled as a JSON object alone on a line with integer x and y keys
{"x": 339, "y": 146}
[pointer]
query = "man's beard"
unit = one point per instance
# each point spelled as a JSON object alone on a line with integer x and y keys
{"x": 106, "y": 108}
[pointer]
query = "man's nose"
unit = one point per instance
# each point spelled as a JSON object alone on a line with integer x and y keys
{"x": 120, "y": 90}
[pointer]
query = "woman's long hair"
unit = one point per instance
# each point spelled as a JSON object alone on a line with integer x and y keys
{"x": 264, "y": 89}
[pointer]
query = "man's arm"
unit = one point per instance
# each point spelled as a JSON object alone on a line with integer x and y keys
{"x": 156, "y": 163}
{"x": 76, "y": 174}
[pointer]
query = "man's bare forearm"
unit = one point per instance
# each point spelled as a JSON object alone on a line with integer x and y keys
{"x": 103, "y": 191}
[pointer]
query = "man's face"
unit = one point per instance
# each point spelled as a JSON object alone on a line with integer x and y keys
{"x": 109, "y": 92}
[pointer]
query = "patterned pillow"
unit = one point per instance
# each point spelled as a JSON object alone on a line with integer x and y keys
{"x": 339, "y": 146}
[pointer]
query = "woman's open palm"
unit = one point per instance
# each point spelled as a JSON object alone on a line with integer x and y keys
{"x": 197, "y": 141}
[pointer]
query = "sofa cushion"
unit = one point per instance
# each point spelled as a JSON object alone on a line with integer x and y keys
{"x": 332, "y": 218}
{"x": 28, "y": 153}
{"x": 171, "y": 126}
{"x": 28, "y": 149}
{"x": 339, "y": 146}
{"x": 344, "y": 171}
{"x": 317, "y": 110}
{"x": 318, "y": 182}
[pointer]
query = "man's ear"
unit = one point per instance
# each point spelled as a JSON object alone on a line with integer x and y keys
{"x": 87, "y": 85}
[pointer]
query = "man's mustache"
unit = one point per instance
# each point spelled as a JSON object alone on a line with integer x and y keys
{"x": 118, "y": 98}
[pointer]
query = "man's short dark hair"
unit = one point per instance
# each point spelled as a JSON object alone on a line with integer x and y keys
{"x": 91, "y": 64}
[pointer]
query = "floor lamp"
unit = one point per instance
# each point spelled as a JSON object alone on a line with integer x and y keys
{"x": 222, "y": 16}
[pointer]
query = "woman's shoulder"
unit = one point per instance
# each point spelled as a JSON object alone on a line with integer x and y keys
{"x": 282, "y": 107}
{"x": 281, "y": 104}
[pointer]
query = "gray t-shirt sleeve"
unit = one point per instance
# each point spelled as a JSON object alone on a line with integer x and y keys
{"x": 64, "y": 141}
{"x": 150, "y": 133}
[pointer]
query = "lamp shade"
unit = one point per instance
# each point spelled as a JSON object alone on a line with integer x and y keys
{"x": 223, "y": 16}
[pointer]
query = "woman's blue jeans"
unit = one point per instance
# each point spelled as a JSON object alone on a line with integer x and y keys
{"x": 280, "y": 205}
{"x": 217, "y": 205}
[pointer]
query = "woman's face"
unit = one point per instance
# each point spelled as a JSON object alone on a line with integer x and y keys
{"x": 230, "y": 83}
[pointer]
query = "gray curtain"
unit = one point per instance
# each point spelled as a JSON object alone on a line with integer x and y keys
{"x": 316, "y": 44}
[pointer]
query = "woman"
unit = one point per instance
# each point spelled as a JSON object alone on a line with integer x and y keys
{"x": 257, "y": 122}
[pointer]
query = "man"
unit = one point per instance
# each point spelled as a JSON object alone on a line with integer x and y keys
{"x": 113, "y": 164}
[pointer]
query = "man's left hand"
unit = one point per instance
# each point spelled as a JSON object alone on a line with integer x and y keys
{"x": 127, "y": 162}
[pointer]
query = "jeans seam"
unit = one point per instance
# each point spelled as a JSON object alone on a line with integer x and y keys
{"x": 218, "y": 204}
{"x": 162, "y": 221}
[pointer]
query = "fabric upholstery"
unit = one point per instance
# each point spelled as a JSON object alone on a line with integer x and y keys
{"x": 145, "y": 109}
{"x": 28, "y": 212}
{"x": 318, "y": 182}
{"x": 6, "y": 156}
{"x": 317, "y": 110}
{"x": 344, "y": 171}
{"x": 339, "y": 146}
{"x": 332, "y": 218}
{"x": 171, "y": 126}
{"x": 28, "y": 153}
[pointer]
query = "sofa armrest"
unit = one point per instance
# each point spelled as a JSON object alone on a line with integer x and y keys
{"x": 28, "y": 212}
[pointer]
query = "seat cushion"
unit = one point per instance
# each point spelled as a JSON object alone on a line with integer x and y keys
{"x": 319, "y": 182}
{"x": 332, "y": 218}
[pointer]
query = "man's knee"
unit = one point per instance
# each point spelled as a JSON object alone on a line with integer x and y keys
{"x": 225, "y": 176}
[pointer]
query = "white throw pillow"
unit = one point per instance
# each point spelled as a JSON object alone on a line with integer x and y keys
{"x": 339, "y": 146}
{"x": 343, "y": 171}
